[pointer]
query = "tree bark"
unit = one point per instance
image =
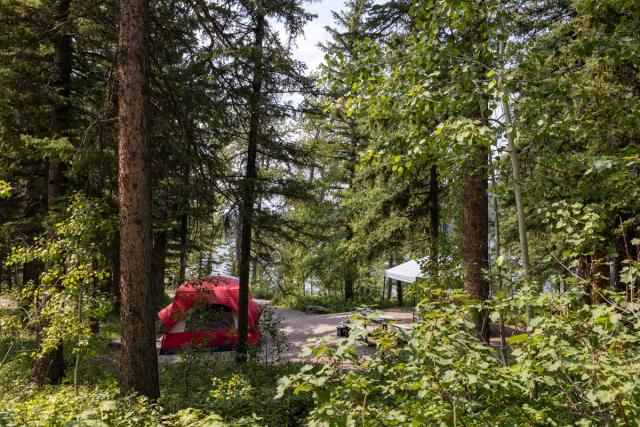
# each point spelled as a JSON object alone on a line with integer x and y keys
{"x": 249, "y": 183}
{"x": 400, "y": 300}
{"x": 138, "y": 361}
{"x": 475, "y": 235}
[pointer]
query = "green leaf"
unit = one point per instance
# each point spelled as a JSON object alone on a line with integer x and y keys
{"x": 516, "y": 339}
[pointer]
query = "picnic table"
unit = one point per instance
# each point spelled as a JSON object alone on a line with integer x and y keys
{"x": 378, "y": 321}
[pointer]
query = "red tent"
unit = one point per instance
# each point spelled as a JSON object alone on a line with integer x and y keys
{"x": 204, "y": 313}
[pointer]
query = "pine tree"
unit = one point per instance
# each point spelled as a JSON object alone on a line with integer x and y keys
{"x": 138, "y": 362}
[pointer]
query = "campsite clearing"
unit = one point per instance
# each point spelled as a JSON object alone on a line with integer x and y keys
{"x": 301, "y": 327}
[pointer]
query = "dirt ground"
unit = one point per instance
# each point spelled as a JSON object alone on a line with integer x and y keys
{"x": 300, "y": 327}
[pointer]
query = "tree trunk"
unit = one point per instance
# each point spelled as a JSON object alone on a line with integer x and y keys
{"x": 350, "y": 274}
{"x": 348, "y": 285}
{"x": 515, "y": 165}
{"x": 249, "y": 185}
{"x": 184, "y": 233}
{"x": 158, "y": 262}
{"x": 496, "y": 213}
{"x": 62, "y": 111}
{"x": 238, "y": 244}
{"x": 475, "y": 235}
{"x": 400, "y": 301}
{"x": 434, "y": 220}
{"x": 138, "y": 361}
{"x": 49, "y": 367}
{"x": 389, "y": 281}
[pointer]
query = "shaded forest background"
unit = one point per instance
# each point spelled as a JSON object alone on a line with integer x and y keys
{"x": 144, "y": 143}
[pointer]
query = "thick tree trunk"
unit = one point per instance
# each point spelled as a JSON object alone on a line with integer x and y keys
{"x": 159, "y": 262}
{"x": 49, "y": 367}
{"x": 249, "y": 185}
{"x": 475, "y": 235}
{"x": 400, "y": 296}
{"x": 138, "y": 361}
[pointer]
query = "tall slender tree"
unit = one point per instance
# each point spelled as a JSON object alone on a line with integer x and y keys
{"x": 49, "y": 367}
{"x": 139, "y": 363}
{"x": 249, "y": 182}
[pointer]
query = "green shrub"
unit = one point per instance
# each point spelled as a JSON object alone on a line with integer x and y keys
{"x": 578, "y": 364}
{"x": 235, "y": 392}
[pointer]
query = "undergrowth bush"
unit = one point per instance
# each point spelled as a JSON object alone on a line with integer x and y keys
{"x": 218, "y": 394}
{"x": 576, "y": 365}
{"x": 235, "y": 392}
{"x": 198, "y": 390}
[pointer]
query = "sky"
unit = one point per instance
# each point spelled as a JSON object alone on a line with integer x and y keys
{"x": 307, "y": 49}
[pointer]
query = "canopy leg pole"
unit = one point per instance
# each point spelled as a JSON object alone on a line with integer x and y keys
{"x": 413, "y": 311}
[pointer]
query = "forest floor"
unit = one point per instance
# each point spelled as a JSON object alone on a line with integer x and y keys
{"x": 300, "y": 327}
{"x": 5, "y": 303}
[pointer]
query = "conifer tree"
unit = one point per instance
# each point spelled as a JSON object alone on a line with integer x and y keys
{"x": 138, "y": 362}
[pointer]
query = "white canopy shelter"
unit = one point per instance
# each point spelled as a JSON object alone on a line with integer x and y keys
{"x": 407, "y": 272}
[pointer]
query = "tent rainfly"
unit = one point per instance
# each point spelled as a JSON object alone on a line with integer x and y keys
{"x": 204, "y": 313}
{"x": 407, "y": 272}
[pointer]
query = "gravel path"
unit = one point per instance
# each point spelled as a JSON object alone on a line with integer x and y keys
{"x": 5, "y": 303}
{"x": 300, "y": 327}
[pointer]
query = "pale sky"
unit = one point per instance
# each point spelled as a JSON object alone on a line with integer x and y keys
{"x": 314, "y": 32}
